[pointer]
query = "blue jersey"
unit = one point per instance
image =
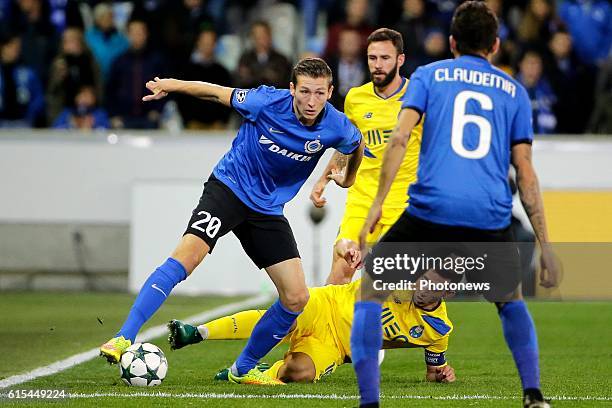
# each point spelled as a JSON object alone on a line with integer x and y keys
{"x": 274, "y": 153}
{"x": 474, "y": 114}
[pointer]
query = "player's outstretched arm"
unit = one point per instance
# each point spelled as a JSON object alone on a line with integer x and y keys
{"x": 392, "y": 160}
{"x": 337, "y": 164}
{"x": 443, "y": 374}
{"x": 342, "y": 169}
{"x": 531, "y": 197}
{"x": 161, "y": 87}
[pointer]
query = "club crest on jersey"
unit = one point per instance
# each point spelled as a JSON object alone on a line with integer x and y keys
{"x": 313, "y": 146}
{"x": 368, "y": 115}
{"x": 241, "y": 95}
{"x": 416, "y": 331}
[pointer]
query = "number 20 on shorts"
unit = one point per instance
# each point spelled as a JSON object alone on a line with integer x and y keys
{"x": 208, "y": 224}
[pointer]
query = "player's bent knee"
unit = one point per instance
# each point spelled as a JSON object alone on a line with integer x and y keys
{"x": 190, "y": 252}
{"x": 499, "y": 301}
{"x": 189, "y": 261}
{"x": 296, "y": 301}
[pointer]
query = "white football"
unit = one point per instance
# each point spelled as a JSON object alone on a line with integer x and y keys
{"x": 143, "y": 365}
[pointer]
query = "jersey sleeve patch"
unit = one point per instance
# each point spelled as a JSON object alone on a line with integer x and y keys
{"x": 437, "y": 324}
{"x": 249, "y": 102}
{"x": 240, "y": 95}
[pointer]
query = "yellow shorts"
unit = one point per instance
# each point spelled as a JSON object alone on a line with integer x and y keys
{"x": 313, "y": 335}
{"x": 353, "y": 221}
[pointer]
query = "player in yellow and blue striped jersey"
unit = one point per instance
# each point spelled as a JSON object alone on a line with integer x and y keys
{"x": 319, "y": 341}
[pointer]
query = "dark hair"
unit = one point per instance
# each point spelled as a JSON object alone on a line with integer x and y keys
{"x": 262, "y": 23}
{"x": 7, "y": 36}
{"x": 207, "y": 27}
{"x": 138, "y": 20}
{"x": 312, "y": 68}
{"x": 534, "y": 51}
{"x": 562, "y": 29}
{"x": 386, "y": 34}
{"x": 474, "y": 28}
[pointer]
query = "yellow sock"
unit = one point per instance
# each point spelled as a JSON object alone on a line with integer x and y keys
{"x": 273, "y": 371}
{"x": 234, "y": 327}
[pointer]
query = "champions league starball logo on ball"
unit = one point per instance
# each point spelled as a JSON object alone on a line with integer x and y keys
{"x": 313, "y": 146}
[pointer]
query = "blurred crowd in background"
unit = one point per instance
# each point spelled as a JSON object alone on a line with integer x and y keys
{"x": 83, "y": 64}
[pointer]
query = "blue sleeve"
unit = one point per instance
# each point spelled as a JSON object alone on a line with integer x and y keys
{"x": 37, "y": 98}
{"x": 101, "y": 120}
{"x": 350, "y": 140}
{"x": 417, "y": 92}
{"x": 63, "y": 120}
{"x": 608, "y": 32}
{"x": 249, "y": 102}
{"x": 522, "y": 125}
{"x": 564, "y": 12}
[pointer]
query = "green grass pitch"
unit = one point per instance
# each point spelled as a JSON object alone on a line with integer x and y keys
{"x": 37, "y": 329}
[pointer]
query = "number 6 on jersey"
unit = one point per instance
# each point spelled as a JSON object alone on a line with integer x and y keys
{"x": 460, "y": 119}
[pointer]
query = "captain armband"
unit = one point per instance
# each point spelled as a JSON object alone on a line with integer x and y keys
{"x": 435, "y": 359}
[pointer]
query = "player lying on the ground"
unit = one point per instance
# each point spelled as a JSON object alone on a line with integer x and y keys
{"x": 319, "y": 340}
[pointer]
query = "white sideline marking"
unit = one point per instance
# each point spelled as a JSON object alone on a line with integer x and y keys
{"x": 224, "y": 396}
{"x": 147, "y": 335}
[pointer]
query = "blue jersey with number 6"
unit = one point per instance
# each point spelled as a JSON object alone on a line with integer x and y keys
{"x": 473, "y": 114}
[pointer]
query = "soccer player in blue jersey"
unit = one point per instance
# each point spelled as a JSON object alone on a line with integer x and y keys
{"x": 477, "y": 121}
{"x": 284, "y": 134}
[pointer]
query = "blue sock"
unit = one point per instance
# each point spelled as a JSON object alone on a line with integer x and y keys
{"x": 366, "y": 341}
{"x": 152, "y": 294}
{"x": 522, "y": 340}
{"x": 268, "y": 331}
